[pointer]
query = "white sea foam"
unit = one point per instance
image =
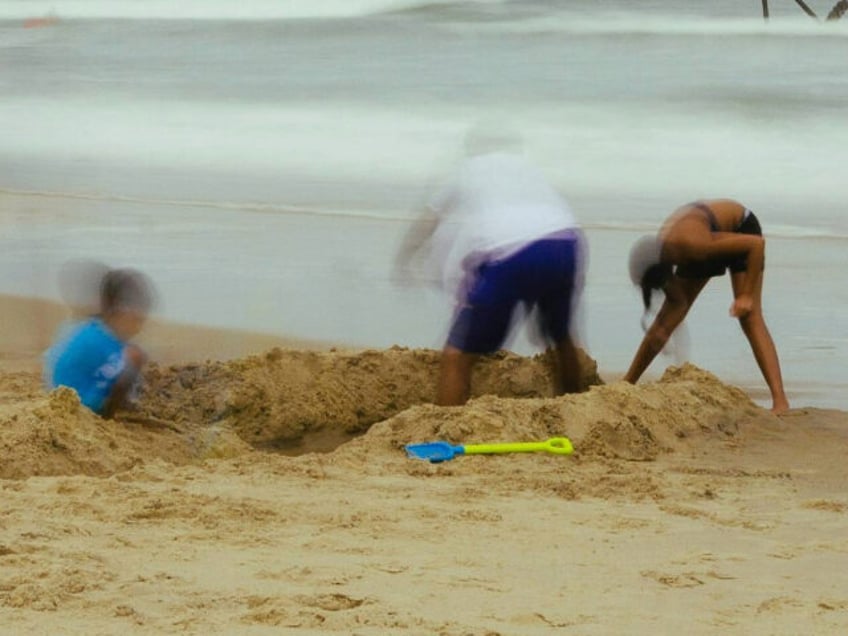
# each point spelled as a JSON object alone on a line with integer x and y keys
{"x": 485, "y": 16}
{"x": 205, "y": 9}
{"x": 640, "y": 24}
{"x": 772, "y": 230}
{"x": 238, "y": 152}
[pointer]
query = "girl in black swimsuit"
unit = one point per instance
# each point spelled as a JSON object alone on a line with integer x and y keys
{"x": 699, "y": 241}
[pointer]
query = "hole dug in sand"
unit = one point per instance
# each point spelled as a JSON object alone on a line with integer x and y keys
{"x": 291, "y": 402}
{"x": 282, "y": 397}
{"x": 295, "y": 402}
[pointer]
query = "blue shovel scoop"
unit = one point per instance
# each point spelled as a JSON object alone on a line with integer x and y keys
{"x": 442, "y": 451}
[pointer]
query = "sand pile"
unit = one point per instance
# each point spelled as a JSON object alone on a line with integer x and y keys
{"x": 218, "y": 409}
{"x": 276, "y": 398}
{"x": 54, "y": 435}
{"x": 614, "y": 429}
{"x": 223, "y": 409}
{"x": 617, "y": 421}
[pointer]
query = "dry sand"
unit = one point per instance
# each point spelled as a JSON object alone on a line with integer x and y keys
{"x": 685, "y": 507}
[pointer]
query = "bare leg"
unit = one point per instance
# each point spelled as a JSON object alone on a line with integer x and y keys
{"x": 455, "y": 379}
{"x": 567, "y": 379}
{"x": 765, "y": 353}
{"x": 680, "y": 294}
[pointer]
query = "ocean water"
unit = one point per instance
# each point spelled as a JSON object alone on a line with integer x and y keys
{"x": 261, "y": 159}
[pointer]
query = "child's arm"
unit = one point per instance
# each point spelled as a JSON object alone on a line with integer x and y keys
{"x": 134, "y": 358}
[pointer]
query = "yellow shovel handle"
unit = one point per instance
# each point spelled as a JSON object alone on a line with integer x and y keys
{"x": 555, "y": 445}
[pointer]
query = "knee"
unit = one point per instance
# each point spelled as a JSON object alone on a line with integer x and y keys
{"x": 751, "y": 321}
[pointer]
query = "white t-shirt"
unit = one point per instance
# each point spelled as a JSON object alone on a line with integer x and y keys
{"x": 496, "y": 204}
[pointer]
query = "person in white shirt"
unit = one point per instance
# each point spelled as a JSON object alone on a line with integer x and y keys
{"x": 501, "y": 237}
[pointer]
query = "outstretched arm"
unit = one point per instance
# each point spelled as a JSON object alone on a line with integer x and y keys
{"x": 416, "y": 237}
{"x": 680, "y": 294}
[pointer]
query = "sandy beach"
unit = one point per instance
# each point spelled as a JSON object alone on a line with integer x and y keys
{"x": 685, "y": 507}
{"x": 261, "y": 162}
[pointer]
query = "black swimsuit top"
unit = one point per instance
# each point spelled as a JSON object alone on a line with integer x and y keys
{"x": 713, "y": 221}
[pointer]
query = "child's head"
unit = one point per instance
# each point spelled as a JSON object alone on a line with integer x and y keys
{"x": 126, "y": 297}
{"x": 79, "y": 284}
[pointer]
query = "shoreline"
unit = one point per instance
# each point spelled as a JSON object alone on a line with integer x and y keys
{"x": 306, "y": 278}
{"x": 29, "y": 324}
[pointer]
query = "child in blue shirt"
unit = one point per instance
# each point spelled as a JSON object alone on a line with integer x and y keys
{"x": 94, "y": 357}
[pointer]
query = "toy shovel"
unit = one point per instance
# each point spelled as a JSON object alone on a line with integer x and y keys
{"x": 442, "y": 451}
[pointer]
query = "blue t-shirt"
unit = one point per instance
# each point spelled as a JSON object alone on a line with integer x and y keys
{"x": 87, "y": 358}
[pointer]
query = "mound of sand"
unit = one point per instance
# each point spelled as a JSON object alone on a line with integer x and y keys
{"x": 224, "y": 409}
{"x": 55, "y": 435}
{"x": 619, "y": 421}
{"x": 221, "y": 409}
{"x": 276, "y": 398}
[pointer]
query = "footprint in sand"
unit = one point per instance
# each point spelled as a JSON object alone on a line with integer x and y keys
{"x": 827, "y": 505}
{"x": 685, "y": 579}
{"x": 331, "y": 602}
{"x": 777, "y": 604}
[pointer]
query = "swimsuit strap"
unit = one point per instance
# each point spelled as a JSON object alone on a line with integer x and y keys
{"x": 711, "y": 217}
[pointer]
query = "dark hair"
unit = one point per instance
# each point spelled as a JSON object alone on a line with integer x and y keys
{"x": 655, "y": 277}
{"x": 126, "y": 289}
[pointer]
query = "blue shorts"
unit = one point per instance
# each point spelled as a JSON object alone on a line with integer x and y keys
{"x": 545, "y": 275}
